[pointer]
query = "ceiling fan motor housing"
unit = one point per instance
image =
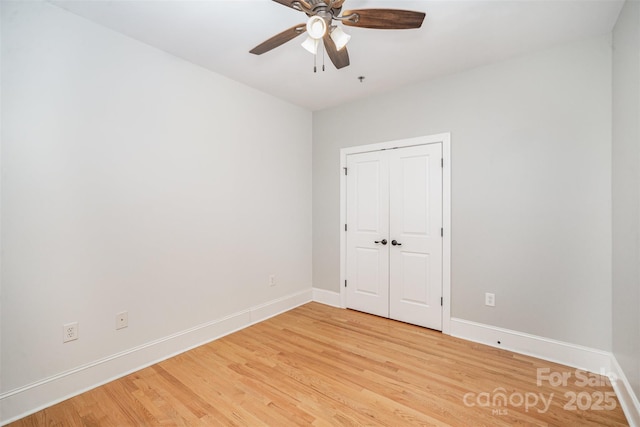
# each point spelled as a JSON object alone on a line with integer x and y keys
{"x": 330, "y": 8}
{"x": 327, "y": 10}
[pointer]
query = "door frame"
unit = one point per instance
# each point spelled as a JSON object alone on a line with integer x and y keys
{"x": 445, "y": 140}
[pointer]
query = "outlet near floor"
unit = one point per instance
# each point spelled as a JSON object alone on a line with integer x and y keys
{"x": 272, "y": 280}
{"x": 490, "y": 299}
{"x": 70, "y": 332}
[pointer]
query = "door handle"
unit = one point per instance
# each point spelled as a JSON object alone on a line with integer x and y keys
{"x": 383, "y": 241}
{"x": 396, "y": 243}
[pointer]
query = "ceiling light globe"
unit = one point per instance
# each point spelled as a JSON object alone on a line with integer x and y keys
{"x": 340, "y": 38}
{"x": 311, "y": 45}
{"x": 316, "y": 27}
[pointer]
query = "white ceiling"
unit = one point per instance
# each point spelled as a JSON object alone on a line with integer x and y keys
{"x": 456, "y": 35}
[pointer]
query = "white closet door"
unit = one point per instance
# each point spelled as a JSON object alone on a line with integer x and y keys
{"x": 415, "y": 226}
{"x": 368, "y": 223}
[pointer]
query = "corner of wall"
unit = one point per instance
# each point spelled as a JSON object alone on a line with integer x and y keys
{"x": 626, "y": 396}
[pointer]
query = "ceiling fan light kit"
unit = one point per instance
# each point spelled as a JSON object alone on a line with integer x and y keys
{"x": 316, "y": 27}
{"x": 320, "y": 26}
{"x": 311, "y": 45}
{"x": 340, "y": 38}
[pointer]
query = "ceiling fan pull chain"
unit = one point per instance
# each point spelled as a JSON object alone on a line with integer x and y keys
{"x": 323, "y": 55}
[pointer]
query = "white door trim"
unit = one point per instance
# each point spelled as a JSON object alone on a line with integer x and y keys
{"x": 445, "y": 139}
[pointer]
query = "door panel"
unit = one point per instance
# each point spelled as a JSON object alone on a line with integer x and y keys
{"x": 367, "y": 271}
{"x": 414, "y": 174}
{"x": 368, "y": 222}
{"x": 413, "y": 273}
{"x": 415, "y": 221}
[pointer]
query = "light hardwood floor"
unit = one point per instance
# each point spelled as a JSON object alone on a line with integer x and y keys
{"x": 318, "y": 365}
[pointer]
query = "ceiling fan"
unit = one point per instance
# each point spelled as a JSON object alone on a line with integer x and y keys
{"x": 320, "y": 26}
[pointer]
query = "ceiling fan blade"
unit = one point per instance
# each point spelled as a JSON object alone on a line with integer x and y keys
{"x": 340, "y": 58}
{"x": 384, "y": 19}
{"x": 279, "y": 39}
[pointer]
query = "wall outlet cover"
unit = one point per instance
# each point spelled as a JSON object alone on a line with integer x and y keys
{"x": 70, "y": 332}
{"x": 490, "y": 299}
{"x": 122, "y": 320}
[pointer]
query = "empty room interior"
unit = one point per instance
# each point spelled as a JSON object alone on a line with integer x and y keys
{"x": 320, "y": 212}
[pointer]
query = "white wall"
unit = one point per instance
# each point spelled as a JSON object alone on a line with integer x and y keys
{"x": 135, "y": 181}
{"x": 626, "y": 192}
{"x": 531, "y": 180}
{"x": 132, "y": 180}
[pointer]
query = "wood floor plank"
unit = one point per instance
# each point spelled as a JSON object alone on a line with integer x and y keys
{"x": 322, "y": 366}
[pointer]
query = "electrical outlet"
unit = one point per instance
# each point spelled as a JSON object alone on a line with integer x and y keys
{"x": 490, "y": 299}
{"x": 70, "y": 332}
{"x": 272, "y": 280}
{"x": 122, "y": 320}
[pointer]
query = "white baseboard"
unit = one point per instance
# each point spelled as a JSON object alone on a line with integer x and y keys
{"x": 575, "y": 356}
{"x": 23, "y": 401}
{"x": 626, "y": 396}
{"x": 327, "y": 297}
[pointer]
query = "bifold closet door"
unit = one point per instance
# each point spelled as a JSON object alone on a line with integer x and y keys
{"x": 394, "y": 242}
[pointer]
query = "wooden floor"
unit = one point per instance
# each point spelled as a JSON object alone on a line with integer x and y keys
{"x": 318, "y": 365}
